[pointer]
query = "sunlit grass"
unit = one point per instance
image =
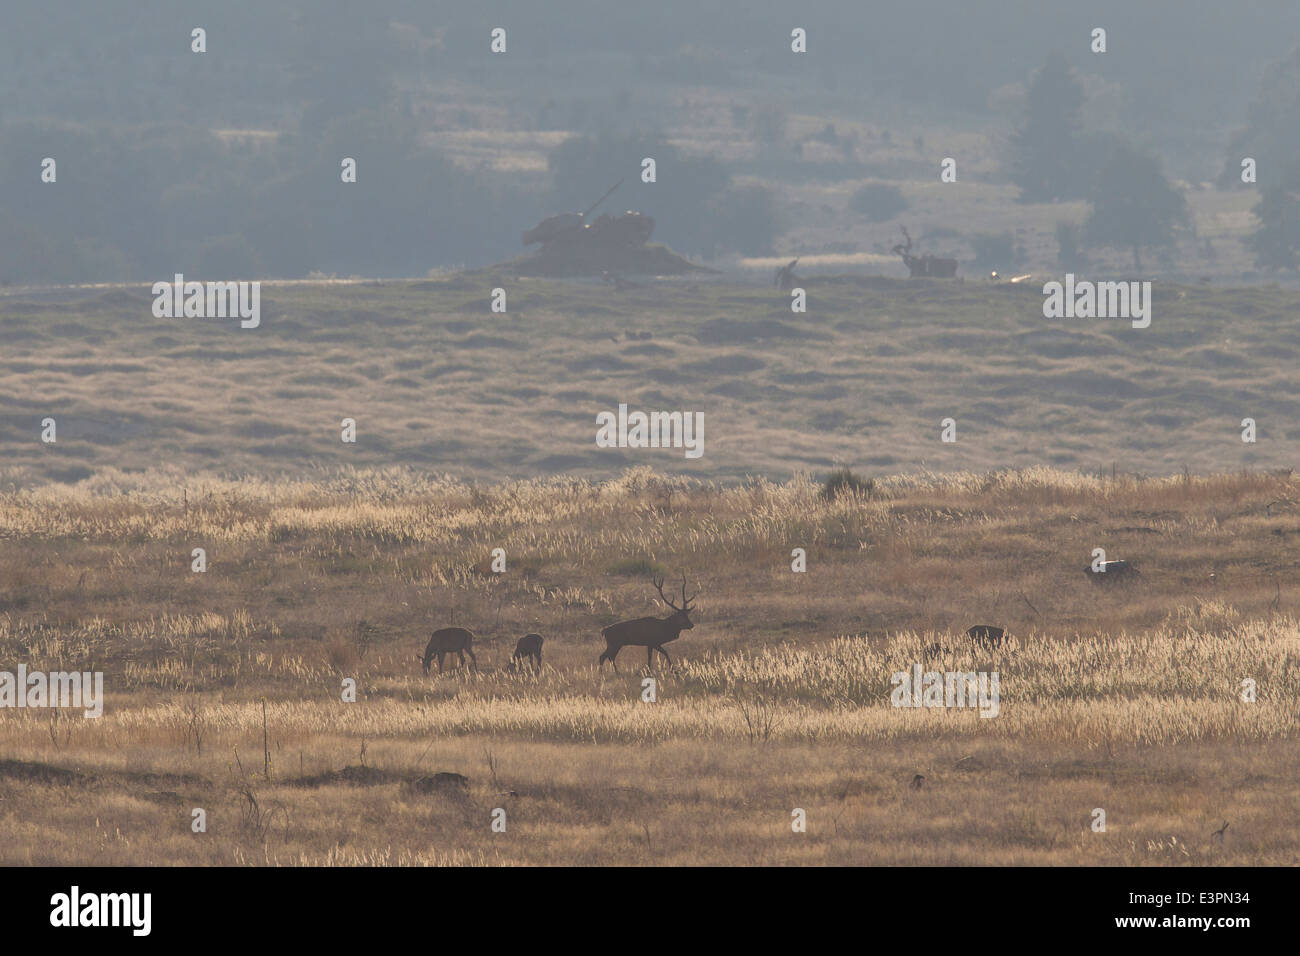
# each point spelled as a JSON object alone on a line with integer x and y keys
{"x": 1128, "y": 696}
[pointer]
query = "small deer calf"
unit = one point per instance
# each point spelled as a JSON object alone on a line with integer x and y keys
{"x": 530, "y": 647}
{"x": 986, "y": 635}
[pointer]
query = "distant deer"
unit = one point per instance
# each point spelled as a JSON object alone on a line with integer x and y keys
{"x": 986, "y": 635}
{"x": 1111, "y": 571}
{"x": 917, "y": 266}
{"x": 652, "y": 633}
{"x": 530, "y": 647}
{"x": 785, "y": 277}
{"x": 449, "y": 640}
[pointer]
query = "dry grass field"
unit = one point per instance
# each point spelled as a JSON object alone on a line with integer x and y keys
{"x": 435, "y": 380}
{"x": 269, "y": 708}
{"x": 1125, "y": 697}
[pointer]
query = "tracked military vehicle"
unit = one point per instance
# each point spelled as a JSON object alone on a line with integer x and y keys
{"x": 573, "y": 244}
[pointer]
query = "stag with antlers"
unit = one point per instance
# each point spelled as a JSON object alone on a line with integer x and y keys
{"x": 924, "y": 266}
{"x": 652, "y": 633}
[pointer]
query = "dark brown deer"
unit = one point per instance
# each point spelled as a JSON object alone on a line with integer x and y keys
{"x": 449, "y": 640}
{"x": 1111, "y": 571}
{"x": 924, "y": 266}
{"x": 530, "y": 647}
{"x": 986, "y": 635}
{"x": 652, "y": 633}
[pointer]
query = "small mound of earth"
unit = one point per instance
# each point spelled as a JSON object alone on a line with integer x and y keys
{"x": 439, "y": 782}
{"x": 38, "y": 772}
{"x": 357, "y": 776}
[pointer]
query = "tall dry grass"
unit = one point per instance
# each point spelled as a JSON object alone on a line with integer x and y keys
{"x": 1127, "y": 697}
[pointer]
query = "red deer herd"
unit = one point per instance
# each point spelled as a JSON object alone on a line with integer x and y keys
{"x": 653, "y": 633}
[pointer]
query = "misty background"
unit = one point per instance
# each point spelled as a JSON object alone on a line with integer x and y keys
{"x": 227, "y": 163}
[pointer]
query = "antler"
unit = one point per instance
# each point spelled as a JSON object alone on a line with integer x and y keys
{"x": 659, "y": 586}
{"x": 686, "y": 601}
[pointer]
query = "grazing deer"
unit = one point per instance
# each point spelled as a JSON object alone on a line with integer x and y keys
{"x": 1111, "y": 571}
{"x": 652, "y": 633}
{"x": 529, "y": 646}
{"x": 449, "y": 640}
{"x": 924, "y": 266}
{"x": 986, "y": 635}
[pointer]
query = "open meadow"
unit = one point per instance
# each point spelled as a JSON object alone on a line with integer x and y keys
{"x": 679, "y": 435}
{"x": 1125, "y": 697}
{"x": 434, "y": 379}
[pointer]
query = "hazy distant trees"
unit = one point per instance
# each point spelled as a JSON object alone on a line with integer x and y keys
{"x": 1045, "y": 152}
{"x": 744, "y": 220}
{"x": 877, "y": 202}
{"x": 1133, "y": 205}
{"x": 1271, "y": 137}
{"x": 137, "y": 204}
{"x": 110, "y": 211}
{"x": 1069, "y": 238}
{"x": 1276, "y": 243}
{"x": 145, "y": 186}
{"x": 143, "y": 204}
{"x": 410, "y": 208}
{"x": 1053, "y": 158}
{"x": 343, "y": 63}
{"x": 1272, "y": 133}
{"x": 768, "y": 125}
{"x": 996, "y": 251}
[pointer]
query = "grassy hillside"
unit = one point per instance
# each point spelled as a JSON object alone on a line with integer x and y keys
{"x": 435, "y": 380}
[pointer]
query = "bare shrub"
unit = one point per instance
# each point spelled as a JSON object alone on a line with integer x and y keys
{"x": 762, "y": 715}
{"x": 256, "y": 822}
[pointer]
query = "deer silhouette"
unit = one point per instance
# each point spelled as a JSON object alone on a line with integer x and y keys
{"x": 449, "y": 640}
{"x": 986, "y": 635}
{"x": 1111, "y": 571}
{"x": 931, "y": 266}
{"x": 652, "y": 633}
{"x": 529, "y": 648}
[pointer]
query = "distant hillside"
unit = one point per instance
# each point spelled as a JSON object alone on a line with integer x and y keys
{"x": 434, "y": 379}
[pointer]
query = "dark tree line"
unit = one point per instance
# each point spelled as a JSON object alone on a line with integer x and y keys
{"x": 1052, "y": 157}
